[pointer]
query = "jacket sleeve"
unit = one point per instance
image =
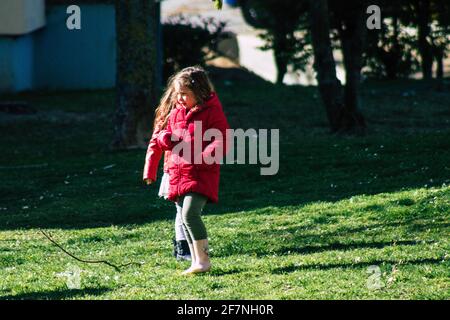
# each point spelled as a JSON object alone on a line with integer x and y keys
{"x": 164, "y": 140}
{"x": 218, "y": 121}
{"x": 153, "y": 156}
{"x": 167, "y": 139}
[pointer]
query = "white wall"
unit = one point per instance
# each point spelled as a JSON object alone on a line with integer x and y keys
{"x": 18, "y": 17}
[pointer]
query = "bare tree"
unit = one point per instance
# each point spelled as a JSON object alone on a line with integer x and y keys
{"x": 352, "y": 33}
{"x": 423, "y": 11}
{"x": 137, "y": 75}
{"x": 342, "y": 109}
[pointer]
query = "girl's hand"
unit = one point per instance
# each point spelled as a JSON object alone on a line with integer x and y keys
{"x": 148, "y": 181}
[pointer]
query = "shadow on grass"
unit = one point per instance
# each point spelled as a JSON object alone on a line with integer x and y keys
{"x": 308, "y": 249}
{"x": 218, "y": 272}
{"x": 69, "y": 220}
{"x": 300, "y": 243}
{"x": 337, "y": 246}
{"x": 328, "y": 266}
{"x": 311, "y": 164}
{"x": 57, "y": 294}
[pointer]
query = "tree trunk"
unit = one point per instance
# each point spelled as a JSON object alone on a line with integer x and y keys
{"x": 440, "y": 63}
{"x": 439, "y": 56}
{"x": 324, "y": 64}
{"x": 423, "y": 15}
{"x": 136, "y": 80}
{"x": 340, "y": 117}
{"x": 352, "y": 34}
{"x": 393, "y": 56}
{"x": 281, "y": 62}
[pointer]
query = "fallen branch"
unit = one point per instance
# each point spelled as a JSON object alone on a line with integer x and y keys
{"x": 117, "y": 268}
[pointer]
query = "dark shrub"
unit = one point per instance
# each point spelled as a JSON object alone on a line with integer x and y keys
{"x": 189, "y": 41}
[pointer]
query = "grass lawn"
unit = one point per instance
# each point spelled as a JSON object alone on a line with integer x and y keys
{"x": 342, "y": 213}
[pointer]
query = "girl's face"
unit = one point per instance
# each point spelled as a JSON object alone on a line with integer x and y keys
{"x": 185, "y": 96}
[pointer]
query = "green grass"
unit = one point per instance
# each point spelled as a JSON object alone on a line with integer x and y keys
{"x": 338, "y": 205}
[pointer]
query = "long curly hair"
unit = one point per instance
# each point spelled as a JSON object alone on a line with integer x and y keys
{"x": 195, "y": 79}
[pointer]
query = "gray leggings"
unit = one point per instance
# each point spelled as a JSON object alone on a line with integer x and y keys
{"x": 189, "y": 208}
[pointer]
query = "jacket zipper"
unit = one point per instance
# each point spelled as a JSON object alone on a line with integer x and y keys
{"x": 182, "y": 136}
{"x": 179, "y": 166}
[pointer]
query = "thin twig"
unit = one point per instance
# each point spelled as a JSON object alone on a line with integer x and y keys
{"x": 117, "y": 268}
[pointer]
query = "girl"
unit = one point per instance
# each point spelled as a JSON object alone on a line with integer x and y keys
{"x": 153, "y": 156}
{"x": 192, "y": 184}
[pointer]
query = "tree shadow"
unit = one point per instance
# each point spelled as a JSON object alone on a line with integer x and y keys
{"x": 325, "y": 240}
{"x": 309, "y": 167}
{"x": 311, "y": 249}
{"x": 358, "y": 265}
{"x": 337, "y": 246}
{"x": 219, "y": 272}
{"x": 56, "y": 294}
{"x": 68, "y": 220}
{"x": 328, "y": 266}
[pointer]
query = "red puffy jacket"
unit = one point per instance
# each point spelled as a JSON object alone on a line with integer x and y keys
{"x": 185, "y": 175}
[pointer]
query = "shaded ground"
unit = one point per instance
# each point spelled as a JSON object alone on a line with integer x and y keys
{"x": 337, "y": 207}
{"x": 62, "y": 150}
